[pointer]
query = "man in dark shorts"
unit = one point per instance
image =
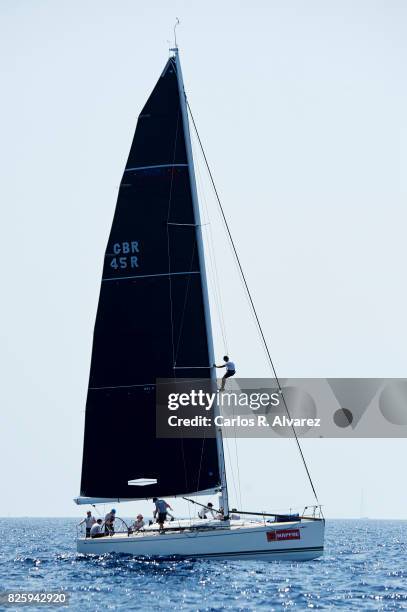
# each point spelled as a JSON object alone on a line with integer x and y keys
{"x": 160, "y": 511}
{"x": 230, "y": 370}
{"x": 89, "y": 521}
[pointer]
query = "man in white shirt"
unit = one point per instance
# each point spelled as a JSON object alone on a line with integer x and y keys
{"x": 207, "y": 511}
{"x": 230, "y": 370}
{"x": 89, "y": 521}
{"x": 96, "y": 530}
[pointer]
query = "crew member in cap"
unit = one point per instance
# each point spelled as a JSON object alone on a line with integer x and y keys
{"x": 109, "y": 522}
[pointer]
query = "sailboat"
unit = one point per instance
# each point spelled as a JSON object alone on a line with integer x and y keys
{"x": 153, "y": 322}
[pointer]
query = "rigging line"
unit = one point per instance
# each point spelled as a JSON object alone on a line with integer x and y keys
{"x": 259, "y": 327}
{"x": 187, "y": 291}
{"x": 216, "y": 283}
{"x": 212, "y": 258}
{"x": 200, "y": 464}
{"x": 215, "y": 267}
{"x": 231, "y": 470}
{"x": 238, "y": 472}
{"x": 184, "y": 461}
{"x": 170, "y": 280}
{"x": 237, "y": 461}
{"x": 175, "y": 356}
{"x": 168, "y": 238}
{"x": 217, "y": 296}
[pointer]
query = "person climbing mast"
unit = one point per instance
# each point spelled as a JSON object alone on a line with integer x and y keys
{"x": 230, "y": 370}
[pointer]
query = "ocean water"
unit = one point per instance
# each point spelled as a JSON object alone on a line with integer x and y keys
{"x": 364, "y": 568}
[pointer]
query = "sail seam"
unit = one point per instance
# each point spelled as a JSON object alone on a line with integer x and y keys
{"x": 156, "y": 166}
{"x": 122, "y": 386}
{"x": 152, "y": 384}
{"x": 115, "y": 278}
{"x": 207, "y": 367}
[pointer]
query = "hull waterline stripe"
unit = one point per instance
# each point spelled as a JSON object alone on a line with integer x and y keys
{"x": 117, "y": 278}
{"x": 262, "y": 552}
{"x": 156, "y": 166}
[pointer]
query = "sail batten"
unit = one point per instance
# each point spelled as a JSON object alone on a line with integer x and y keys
{"x": 138, "y": 276}
{"x": 156, "y": 166}
{"x": 150, "y": 316}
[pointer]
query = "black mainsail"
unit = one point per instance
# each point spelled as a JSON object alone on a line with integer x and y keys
{"x": 152, "y": 321}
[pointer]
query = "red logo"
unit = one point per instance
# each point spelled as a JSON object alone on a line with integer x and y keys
{"x": 283, "y": 534}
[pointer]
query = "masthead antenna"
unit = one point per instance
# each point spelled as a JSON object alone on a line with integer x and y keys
{"x": 175, "y": 33}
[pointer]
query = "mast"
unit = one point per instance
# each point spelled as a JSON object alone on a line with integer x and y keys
{"x": 184, "y": 113}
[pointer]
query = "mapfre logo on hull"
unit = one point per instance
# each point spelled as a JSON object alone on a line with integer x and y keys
{"x": 283, "y": 534}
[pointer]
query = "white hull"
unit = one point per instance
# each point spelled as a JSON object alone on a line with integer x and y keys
{"x": 254, "y": 540}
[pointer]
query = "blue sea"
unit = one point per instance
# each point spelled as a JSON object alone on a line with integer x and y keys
{"x": 364, "y": 568}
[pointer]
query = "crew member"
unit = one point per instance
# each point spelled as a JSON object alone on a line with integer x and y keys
{"x": 109, "y": 522}
{"x": 230, "y": 370}
{"x": 161, "y": 511}
{"x": 207, "y": 510}
{"x": 96, "y": 530}
{"x": 89, "y": 520}
{"x": 138, "y": 523}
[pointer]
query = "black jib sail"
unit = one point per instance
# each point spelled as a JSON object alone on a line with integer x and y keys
{"x": 150, "y": 321}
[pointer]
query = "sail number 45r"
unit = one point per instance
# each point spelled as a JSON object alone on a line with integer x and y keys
{"x": 124, "y": 255}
